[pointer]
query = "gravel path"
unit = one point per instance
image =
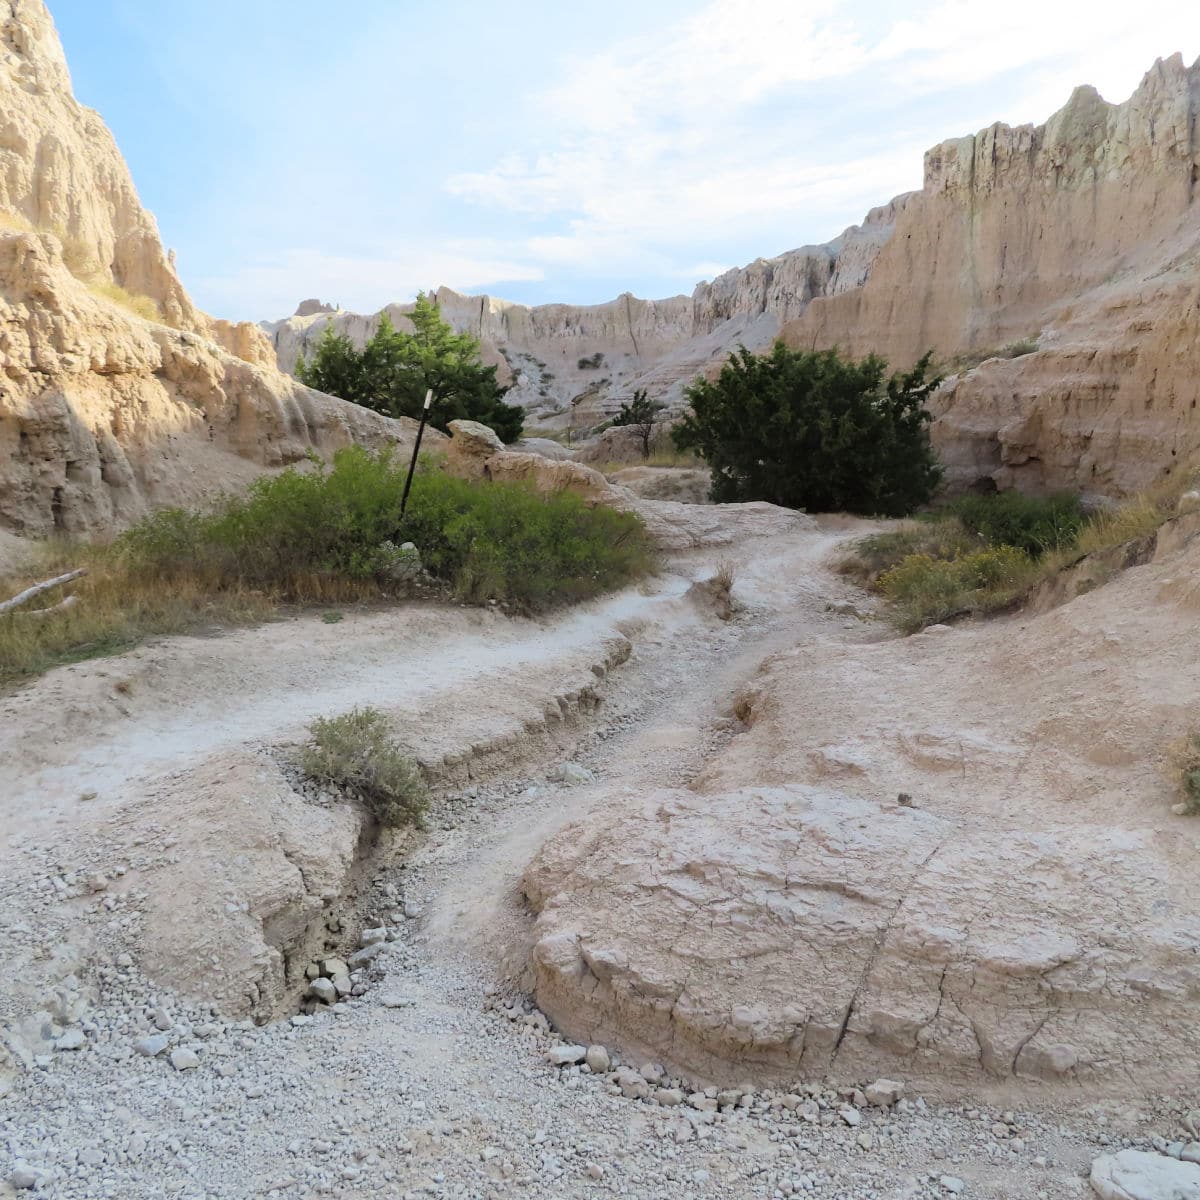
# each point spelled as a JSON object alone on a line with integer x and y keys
{"x": 435, "y": 1079}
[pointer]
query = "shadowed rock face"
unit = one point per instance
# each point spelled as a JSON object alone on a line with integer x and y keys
{"x": 1082, "y": 234}
{"x": 103, "y": 412}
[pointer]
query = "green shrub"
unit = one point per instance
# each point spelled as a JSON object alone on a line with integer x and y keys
{"x": 315, "y": 534}
{"x": 1031, "y": 523}
{"x": 871, "y": 556}
{"x": 924, "y": 590}
{"x": 810, "y": 429}
{"x": 505, "y": 542}
{"x": 356, "y": 751}
{"x": 392, "y": 372}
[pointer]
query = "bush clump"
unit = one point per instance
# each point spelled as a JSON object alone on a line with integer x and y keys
{"x": 1185, "y": 761}
{"x": 357, "y": 752}
{"x": 924, "y": 590}
{"x": 1034, "y": 524}
{"x": 811, "y": 429}
{"x": 337, "y": 531}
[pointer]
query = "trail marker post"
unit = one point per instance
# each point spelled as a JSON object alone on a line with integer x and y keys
{"x": 412, "y": 466}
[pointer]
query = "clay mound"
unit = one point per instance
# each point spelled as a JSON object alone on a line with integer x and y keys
{"x": 1035, "y": 917}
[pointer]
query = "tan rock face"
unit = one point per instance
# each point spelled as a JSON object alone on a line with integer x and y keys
{"x": 102, "y": 412}
{"x": 1034, "y": 917}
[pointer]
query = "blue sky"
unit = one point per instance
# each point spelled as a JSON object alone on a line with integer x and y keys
{"x": 548, "y": 151}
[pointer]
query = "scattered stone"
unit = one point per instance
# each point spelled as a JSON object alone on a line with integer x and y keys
{"x": 360, "y": 958}
{"x": 152, "y": 1045}
{"x": 332, "y": 967}
{"x": 391, "y": 1000}
{"x": 952, "y": 1184}
{"x": 412, "y": 911}
{"x": 566, "y": 1055}
{"x": 323, "y": 990}
{"x": 1136, "y": 1175}
{"x": 850, "y": 1115}
{"x": 570, "y": 773}
{"x": 597, "y": 1058}
{"x": 24, "y": 1176}
{"x": 595, "y": 1171}
{"x": 372, "y": 937}
{"x": 73, "y": 1039}
{"x": 883, "y": 1093}
{"x": 184, "y": 1059}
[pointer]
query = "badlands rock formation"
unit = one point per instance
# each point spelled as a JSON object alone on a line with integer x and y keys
{"x": 1027, "y": 910}
{"x": 1083, "y": 234}
{"x": 571, "y": 366}
{"x": 104, "y": 412}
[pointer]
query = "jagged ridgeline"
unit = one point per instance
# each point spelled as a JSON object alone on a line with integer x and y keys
{"x": 1053, "y": 269}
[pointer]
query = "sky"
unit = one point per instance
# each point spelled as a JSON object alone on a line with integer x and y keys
{"x": 553, "y": 151}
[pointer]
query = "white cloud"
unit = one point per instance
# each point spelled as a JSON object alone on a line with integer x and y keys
{"x": 658, "y": 146}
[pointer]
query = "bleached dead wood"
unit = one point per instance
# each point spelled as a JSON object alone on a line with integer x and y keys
{"x": 38, "y": 588}
{"x": 61, "y": 606}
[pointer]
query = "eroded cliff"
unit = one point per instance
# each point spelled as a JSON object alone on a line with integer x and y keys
{"x": 115, "y": 391}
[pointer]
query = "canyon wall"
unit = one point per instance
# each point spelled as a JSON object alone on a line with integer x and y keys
{"x": 1079, "y": 238}
{"x": 573, "y": 365}
{"x": 116, "y": 393}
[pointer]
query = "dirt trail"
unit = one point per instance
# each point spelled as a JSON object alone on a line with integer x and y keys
{"x": 415, "y": 1088}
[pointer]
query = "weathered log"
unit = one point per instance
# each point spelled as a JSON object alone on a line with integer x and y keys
{"x": 38, "y": 588}
{"x": 61, "y": 606}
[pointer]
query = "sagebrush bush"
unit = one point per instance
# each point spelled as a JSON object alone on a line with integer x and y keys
{"x": 357, "y": 752}
{"x": 1185, "y": 762}
{"x": 326, "y": 536}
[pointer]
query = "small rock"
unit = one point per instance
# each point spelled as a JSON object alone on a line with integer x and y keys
{"x": 669, "y": 1097}
{"x": 566, "y": 1055}
{"x": 597, "y": 1058}
{"x": 184, "y": 1059}
{"x": 412, "y": 911}
{"x": 372, "y": 937}
{"x": 632, "y": 1085}
{"x": 73, "y": 1039}
{"x": 24, "y": 1176}
{"x": 391, "y": 1000}
{"x": 952, "y": 1184}
{"x": 1191, "y": 1152}
{"x": 151, "y": 1046}
{"x": 595, "y": 1171}
{"x": 570, "y": 772}
{"x": 360, "y": 958}
{"x": 883, "y": 1093}
{"x": 323, "y": 990}
{"x": 1136, "y": 1175}
{"x": 332, "y": 967}
{"x": 850, "y": 1115}
{"x": 162, "y": 1019}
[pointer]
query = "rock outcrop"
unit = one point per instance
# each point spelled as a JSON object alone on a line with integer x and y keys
{"x": 1028, "y": 910}
{"x": 572, "y": 366}
{"x": 116, "y": 393}
{"x": 1083, "y": 234}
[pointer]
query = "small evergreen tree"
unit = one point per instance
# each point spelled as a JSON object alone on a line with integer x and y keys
{"x": 395, "y": 368}
{"x": 810, "y": 429}
{"x": 639, "y": 414}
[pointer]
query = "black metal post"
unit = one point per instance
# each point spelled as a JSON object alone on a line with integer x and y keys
{"x": 412, "y": 466}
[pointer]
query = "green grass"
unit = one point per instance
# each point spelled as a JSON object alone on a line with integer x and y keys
{"x": 981, "y": 555}
{"x": 323, "y": 536}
